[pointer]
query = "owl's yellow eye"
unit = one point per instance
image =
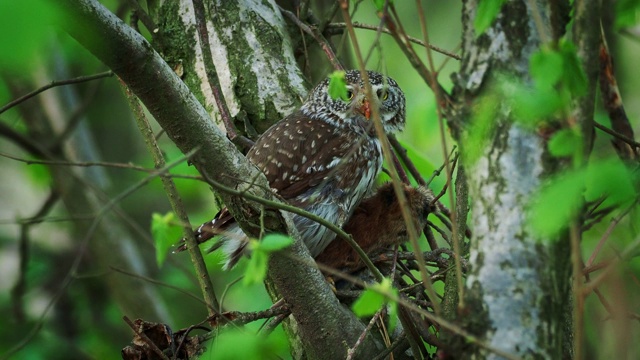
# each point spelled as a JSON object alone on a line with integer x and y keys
{"x": 382, "y": 94}
{"x": 349, "y": 94}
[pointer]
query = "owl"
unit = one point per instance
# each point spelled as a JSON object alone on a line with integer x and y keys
{"x": 324, "y": 158}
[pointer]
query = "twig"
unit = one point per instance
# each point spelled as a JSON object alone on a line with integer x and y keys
{"x": 386, "y": 151}
{"x": 145, "y": 338}
{"x": 412, "y": 307}
{"x": 612, "y": 102}
{"x": 351, "y": 352}
{"x": 22, "y": 141}
{"x": 402, "y": 338}
{"x": 206, "y": 286}
{"x": 403, "y": 44}
{"x": 334, "y": 27}
{"x": 324, "y": 44}
{"x": 605, "y": 236}
{"x": 273, "y": 323}
{"x": 77, "y": 115}
{"x": 400, "y": 170}
{"x": 52, "y": 84}
{"x": 431, "y": 239}
{"x": 156, "y": 282}
{"x": 18, "y": 290}
{"x": 128, "y": 166}
{"x": 440, "y": 101}
{"x": 145, "y": 18}
{"x": 440, "y": 231}
{"x": 617, "y": 135}
{"x": 402, "y": 153}
{"x": 243, "y": 318}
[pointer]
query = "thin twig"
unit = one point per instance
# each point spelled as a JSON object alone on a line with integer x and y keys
{"x": 339, "y": 28}
{"x": 612, "y": 102}
{"x": 19, "y": 288}
{"x": 156, "y": 282}
{"x": 324, "y": 44}
{"x": 273, "y": 323}
{"x": 386, "y": 152}
{"x": 204, "y": 280}
{"x": 614, "y": 222}
{"x": 52, "y": 84}
{"x": 412, "y": 307}
{"x": 351, "y": 352}
{"x": 440, "y": 101}
{"x": 617, "y": 135}
{"x": 128, "y": 166}
{"x": 145, "y": 18}
{"x": 243, "y": 318}
{"x": 402, "y": 153}
{"x": 145, "y": 338}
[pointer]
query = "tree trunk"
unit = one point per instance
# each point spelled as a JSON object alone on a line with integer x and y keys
{"x": 518, "y": 292}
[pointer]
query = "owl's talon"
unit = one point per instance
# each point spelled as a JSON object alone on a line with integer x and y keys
{"x": 332, "y": 284}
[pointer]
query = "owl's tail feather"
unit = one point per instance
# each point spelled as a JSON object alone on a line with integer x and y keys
{"x": 219, "y": 225}
{"x": 233, "y": 242}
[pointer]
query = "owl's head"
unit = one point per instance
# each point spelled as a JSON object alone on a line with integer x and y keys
{"x": 355, "y": 110}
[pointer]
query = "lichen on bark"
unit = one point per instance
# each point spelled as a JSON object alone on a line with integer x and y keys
{"x": 252, "y": 55}
{"x": 507, "y": 292}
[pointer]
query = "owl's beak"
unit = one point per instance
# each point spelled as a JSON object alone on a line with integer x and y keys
{"x": 365, "y": 109}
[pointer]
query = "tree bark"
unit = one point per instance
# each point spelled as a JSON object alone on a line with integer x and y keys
{"x": 518, "y": 290}
{"x": 252, "y": 55}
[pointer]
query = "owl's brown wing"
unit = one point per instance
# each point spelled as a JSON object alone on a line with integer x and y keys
{"x": 298, "y": 153}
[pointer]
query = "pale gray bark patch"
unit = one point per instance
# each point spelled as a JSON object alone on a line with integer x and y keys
{"x": 508, "y": 276}
{"x": 248, "y": 44}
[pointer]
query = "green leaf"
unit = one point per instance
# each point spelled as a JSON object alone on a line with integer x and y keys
{"x": 573, "y": 76}
{"x": 481, "y": 127}
{"x": 374, "y": 297}
{"x": 486, "y": 14}
{"x": 393, "y": 315}
{"x": 338, "y": 85}
{"x": 626, "y": 13}
{"x": 239, "y": 344}
{"x": 612, "y": 179}
{"x": 260, "y": 249}
{"x": 274, "y": 242}
{"x": 165, "y": 232}
{"x": 368, "y": 303}
{"x": 560, "y": 200}
{"x": 546, "y": 68}
{"x": 530, "y": 106}
{"x": 565, "y": 142}
{"x": 257, "y": 268}
{"x": 556, "y": 204}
